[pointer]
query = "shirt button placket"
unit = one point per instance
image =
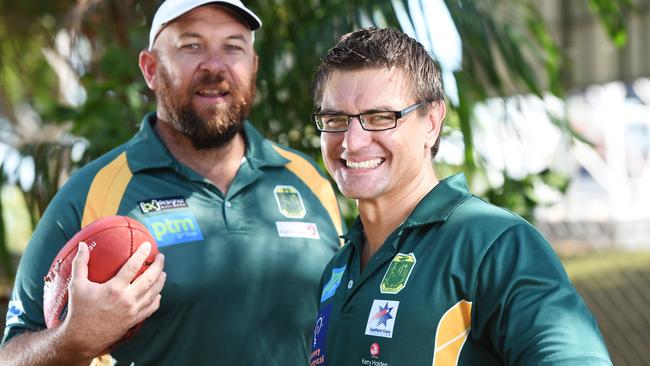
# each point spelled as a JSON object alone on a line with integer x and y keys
{"x": 232, "y": 215}
{"x": 227, "y": 214}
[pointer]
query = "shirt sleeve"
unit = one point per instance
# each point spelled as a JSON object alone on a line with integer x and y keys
{"x": 528, "y": 310}
{"x": 25, "y": 312}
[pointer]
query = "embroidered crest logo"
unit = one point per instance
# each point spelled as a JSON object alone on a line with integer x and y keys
{"x": 289, "y": 202}
{"x": 397, "y": 274}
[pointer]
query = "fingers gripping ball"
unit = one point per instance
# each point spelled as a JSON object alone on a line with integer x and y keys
{"x": 111, "y": 241}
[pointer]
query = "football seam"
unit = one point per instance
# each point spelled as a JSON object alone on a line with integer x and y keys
{"x": 128, "y": 224}
{"x": 85, "y": 239}
{"x": 147, "y": 233}
{"x": 139, "y": 230}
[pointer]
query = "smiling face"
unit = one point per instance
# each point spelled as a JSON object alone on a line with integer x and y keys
{"x": 203, "y": 70}
{"x": 372, "y": 165}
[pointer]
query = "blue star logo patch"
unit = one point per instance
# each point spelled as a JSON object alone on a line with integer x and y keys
{"x": 382, "y": 318}
{"x": 383, "y": 315}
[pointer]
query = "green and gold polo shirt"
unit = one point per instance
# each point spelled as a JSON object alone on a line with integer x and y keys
{"x": 459, "y": 282}
{"x": 243, "y": 267}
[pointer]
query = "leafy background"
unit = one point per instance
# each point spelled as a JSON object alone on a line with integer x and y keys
{"x": 49, "y": 47}
{"x": 70, "y": 88}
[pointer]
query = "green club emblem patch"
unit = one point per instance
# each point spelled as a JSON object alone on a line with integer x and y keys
{"x": 289, "y": 202}
{"x": 397, "y": 274}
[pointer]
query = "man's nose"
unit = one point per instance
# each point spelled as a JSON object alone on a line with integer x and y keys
{"x": 356, "y": 137}
{"x": 213, "y": 62}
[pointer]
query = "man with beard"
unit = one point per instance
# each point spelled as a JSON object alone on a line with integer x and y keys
{"x": 245, "y": 226}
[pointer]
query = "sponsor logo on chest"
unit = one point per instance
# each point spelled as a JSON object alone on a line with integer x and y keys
{"x": 381, "y": 318}
{"x": 174, "y": 228}
{"x": 373, "y": 362}
{"x": 161, "y": 204}
{"x": 290, "y": 205}
{"x": 330, "y": 287}
{"x": 375, "y": 351}
{"x": 318, "y": 357}
{"x": 293, "y": 229}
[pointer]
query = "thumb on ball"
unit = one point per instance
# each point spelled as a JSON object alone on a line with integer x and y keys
{"x": 80, "y": 262}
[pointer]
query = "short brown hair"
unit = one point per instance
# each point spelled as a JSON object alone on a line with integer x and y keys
{"x": 383, "y": 48}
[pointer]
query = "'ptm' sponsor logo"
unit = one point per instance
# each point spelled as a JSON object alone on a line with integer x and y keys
{"x": 174, "y": 228}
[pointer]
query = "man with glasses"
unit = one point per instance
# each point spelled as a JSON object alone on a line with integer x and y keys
{"x": 430, "y": 274}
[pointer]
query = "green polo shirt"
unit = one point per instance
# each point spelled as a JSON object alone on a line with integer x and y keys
{"x": 242, "y": 267}
{"x": 460, "y": 282}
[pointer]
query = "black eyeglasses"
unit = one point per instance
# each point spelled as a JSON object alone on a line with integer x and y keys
{"x": 370, "y": 121}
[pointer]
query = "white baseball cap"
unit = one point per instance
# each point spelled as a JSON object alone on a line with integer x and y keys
{"x": 172, "y": 9}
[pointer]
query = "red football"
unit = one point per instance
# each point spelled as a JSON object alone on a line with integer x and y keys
{"x": 111, "y": 241}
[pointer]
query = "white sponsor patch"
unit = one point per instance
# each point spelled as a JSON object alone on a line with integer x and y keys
{"x": 381, "y": 319}
{"x": 292, "y": 229}
{"x": 14, "y": 312}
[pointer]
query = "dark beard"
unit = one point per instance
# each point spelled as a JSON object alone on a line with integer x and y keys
{"x": 214, "y": 126}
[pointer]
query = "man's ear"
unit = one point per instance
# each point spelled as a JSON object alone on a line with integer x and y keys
{"x": 435, "y": 117}
{"x": 148, "y": 62}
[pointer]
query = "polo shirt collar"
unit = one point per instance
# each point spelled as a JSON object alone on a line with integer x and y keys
{"x": 146, "y": 151}
{"x": 355, "y": 232}
{"x": 440, "y": 202}
{"x": 259, "y": 151}
{"x": 436, "y": 206}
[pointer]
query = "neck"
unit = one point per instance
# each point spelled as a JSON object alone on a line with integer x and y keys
{"x": 383, "y": 215}
{"x": 219, "y": 165}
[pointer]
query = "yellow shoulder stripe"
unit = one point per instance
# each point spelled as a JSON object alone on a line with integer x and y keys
{"x": 452, "y": 332}
{"x": 106, "y": 190}
{"x": 316, "y": 183}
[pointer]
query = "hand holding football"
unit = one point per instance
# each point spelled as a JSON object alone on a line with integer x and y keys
{"x": 111, "y": 241}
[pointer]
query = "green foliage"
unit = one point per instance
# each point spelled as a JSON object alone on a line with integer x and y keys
{"x": 613, "y": 15}
{"x": 504, "y": 44}
{"x": 5, "y": 257}
{"x": 52, "y": 164}
{"x": 526, "y": 198}
{"x": 295, "y": 35}
{"x": 117, "y": 97}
